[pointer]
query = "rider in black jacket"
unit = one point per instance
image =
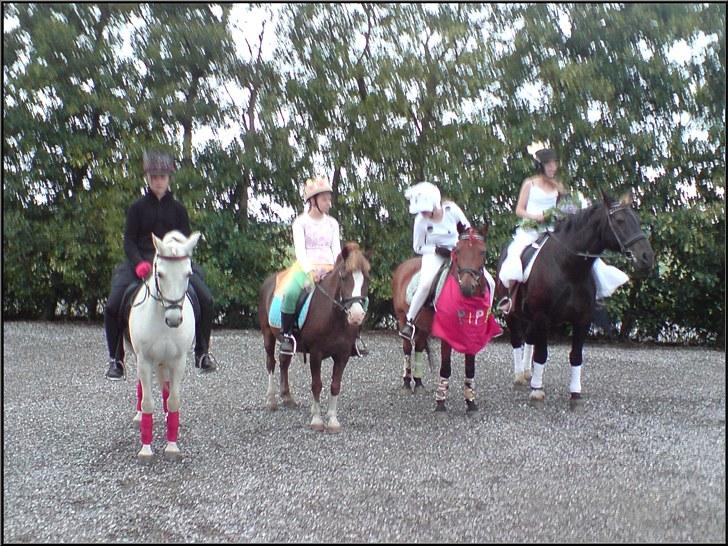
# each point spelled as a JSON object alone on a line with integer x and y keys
{"x": 156, "y": 212}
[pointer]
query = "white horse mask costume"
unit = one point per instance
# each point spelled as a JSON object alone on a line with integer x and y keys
{"x": 162, "y": 331}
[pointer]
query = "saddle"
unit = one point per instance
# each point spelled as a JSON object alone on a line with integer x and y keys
{"x": 435, "y": 287}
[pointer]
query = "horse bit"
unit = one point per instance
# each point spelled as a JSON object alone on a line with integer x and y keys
{"x": 344, "y": 303}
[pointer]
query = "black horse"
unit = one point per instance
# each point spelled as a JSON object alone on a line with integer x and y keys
{"x": 560, "y": 288}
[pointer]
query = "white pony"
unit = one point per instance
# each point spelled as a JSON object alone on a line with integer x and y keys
{"x": 161, "y": 332}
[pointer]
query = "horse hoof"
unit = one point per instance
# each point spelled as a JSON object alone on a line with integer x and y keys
{"x": 145, "y": 454}
{"x": 333, "y": 427}
{"x": 290, "y": 403}
{"x": 537, "y": 395}
{"x": 172, "y": 452}
{"x": 137, "y": 417}
{"x": 520, "y": 380}
{"x": 317, "y": 425}
{"x": 576, "y": 403}
{"x": 471, "y": 406}
{"x": 272, "y": 406}
{"x": 440, "y": 407}
{"x": 419, "y": 389}
{"x": 405, "y": 389}
{"x": 527, "y": 375}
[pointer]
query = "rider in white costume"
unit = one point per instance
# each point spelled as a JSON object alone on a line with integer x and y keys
{"x": 539, "y": 194}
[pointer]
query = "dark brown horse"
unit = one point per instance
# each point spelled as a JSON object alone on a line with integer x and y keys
{"x": 561, "y": 289}
{"x": 335, "y": 314}
{"x": 468, "y": 268}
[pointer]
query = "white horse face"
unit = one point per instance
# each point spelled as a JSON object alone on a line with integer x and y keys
{"x": 172, "y": 272}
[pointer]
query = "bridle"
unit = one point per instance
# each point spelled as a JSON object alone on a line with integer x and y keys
{"x": 343, "y": 304}
{"x": 168, "y": 304}
{"x": 624, "y": 246}
{"x": 478, "y": 274}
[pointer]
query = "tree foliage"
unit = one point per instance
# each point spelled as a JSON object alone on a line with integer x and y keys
{"x": 375, "y": 97}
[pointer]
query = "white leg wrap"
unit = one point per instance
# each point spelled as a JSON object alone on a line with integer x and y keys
{"x": 419, "y": 368}
{"x": 518, "y": 360}
{"x": 442, "y": 388}
{"x": 333, "y": 402}
{"x": 527, "y": 356}
{"x": 537, "y": 378}
{"x": 575, "y": 384}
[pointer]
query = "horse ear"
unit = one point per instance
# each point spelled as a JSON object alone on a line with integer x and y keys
{"x": 607, "y": 199}
{"x": 345, "y": 251}
{"x": 192, "y": 242}
{"x": 626, "y": 199}
{"x": 157, "y": 243}
{"x": 461, "y": 228}
{"x": 484, "y": 230}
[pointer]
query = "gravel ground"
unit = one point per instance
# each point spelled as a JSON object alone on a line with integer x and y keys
{"x": 642, "y": 460}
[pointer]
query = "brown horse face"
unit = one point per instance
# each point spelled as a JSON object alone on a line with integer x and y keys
{"x": 470, "y": 261}
{"x": 354, "y": 290}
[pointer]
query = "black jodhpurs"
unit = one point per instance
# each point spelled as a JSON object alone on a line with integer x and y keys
{"x": 114, "y": 324}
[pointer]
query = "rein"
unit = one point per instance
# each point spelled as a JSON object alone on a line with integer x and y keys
{"x": 344, "y": 303}
{"x": 623, "y": 246}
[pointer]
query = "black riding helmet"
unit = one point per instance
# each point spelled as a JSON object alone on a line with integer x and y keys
{"x": 158, "y": 163}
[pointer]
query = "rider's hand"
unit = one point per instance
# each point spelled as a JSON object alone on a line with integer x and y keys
{"x": 142, "y": 269}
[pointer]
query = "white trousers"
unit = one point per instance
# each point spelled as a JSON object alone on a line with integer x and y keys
{"x": 431, "y": 264}
{"x": 606, "y": 277}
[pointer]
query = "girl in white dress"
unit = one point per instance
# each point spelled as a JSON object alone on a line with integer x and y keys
{"x": 538, "y": 194}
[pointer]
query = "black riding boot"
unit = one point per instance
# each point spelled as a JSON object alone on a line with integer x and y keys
{"x": 286, "y": 336}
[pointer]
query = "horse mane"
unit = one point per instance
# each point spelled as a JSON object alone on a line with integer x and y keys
{"x": 355, "y": 259}
{"x": 574, "y": 223}
{"x": 171, "y": 241}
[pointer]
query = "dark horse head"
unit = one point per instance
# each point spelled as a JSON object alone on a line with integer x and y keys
{"x": 468, "y": 259}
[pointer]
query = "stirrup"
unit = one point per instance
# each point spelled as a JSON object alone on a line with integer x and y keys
{"x": 505, "y": 305}
{"x": 293, "y": 342}
{"x": 412, "y": 335}
{"x": 360, "y": 351}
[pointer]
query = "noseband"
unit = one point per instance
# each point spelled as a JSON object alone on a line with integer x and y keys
{"x": 624, "y": 246}
{"x": 342, "y": 303}
{"x": 167, "y": 303}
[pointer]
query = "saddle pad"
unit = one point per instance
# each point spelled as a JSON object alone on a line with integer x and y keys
{"x": 274, "y": 314}
{"x": 528, "y": 256}
{"x": 415, "y": 281}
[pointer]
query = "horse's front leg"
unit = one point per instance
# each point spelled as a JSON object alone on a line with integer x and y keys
{"x": 418, "y": 370}
{"x": 316, "y": 422}
{"x": 337, "y": 374}
{"x": 144, "y": 375}
{"x": 469, "y": 386}
{"x": 522, "y": 353}
{"x": 407, "y": 368}
{"x": 176, "y": 374}
{"x": 579, "y": 332}
{"x": 443, "y": 383}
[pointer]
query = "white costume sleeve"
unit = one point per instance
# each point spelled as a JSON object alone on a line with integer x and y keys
{"x": 459, "y": 214}
{"x": 299, "y": 245}
{"x": 335, "y": 240}
{"x": 418, "y": 236}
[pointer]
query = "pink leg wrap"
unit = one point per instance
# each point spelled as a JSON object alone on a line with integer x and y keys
{"x": 172, "y": 426}
{"x": 139, "y": 395}
{"x": 145, "y": 427}
{"x": 165, "y": 395}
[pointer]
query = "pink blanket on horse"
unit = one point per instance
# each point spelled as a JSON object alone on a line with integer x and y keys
{"x": 465, "y": 323}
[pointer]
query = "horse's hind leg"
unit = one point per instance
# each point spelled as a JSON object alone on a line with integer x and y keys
{"x": 538, "y": 338}
{"x": 269, "y": 342}
{"x": 332, "y": 424}
{"x": 286, "y": 394}
{"x": 173, "y": 404}
{"x": 443, "y": 384}
{"x": 407, "y": 368}
{"x": 469, "y": 386}
{"x": 522, "y": 354}
{"x": 138, "y": 414}
{"x": 418, "y": 370}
